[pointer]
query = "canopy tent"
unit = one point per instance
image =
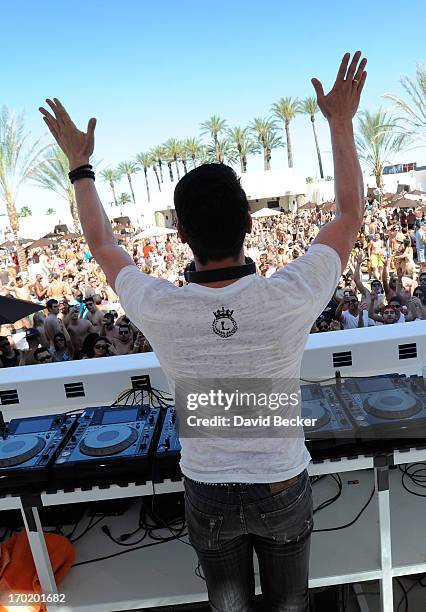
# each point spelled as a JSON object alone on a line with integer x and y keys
{"x": 417, "y": 192}
{"x": 154, "y": 232}
{"x": 265, "y": 212}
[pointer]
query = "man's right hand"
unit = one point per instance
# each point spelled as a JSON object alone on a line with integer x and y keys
{"x": 341, "y": 103}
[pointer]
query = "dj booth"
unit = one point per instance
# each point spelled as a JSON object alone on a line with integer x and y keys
{"x": 369, "y": 382}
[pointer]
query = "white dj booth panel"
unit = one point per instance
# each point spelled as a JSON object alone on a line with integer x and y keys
{"x": 367, "y": 351}
{"x": 59, "y": 387}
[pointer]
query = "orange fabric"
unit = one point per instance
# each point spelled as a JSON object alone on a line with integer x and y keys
{"x": 17, "y": 569}
{"x": 147, "y": 249}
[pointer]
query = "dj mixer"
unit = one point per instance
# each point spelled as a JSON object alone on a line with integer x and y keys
{"x": 167, "y": 453}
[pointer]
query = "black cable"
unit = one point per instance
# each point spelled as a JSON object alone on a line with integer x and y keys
{"x": 123, "y": 552}
{"x": 351, "y": 522}
{"x": 404, "y": 595}
{"x": 416, "y": 476}
{"x": 331, "y": 500}
{"x": 90, "y": 526}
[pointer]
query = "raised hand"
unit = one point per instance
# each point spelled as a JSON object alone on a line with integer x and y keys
{"x": 342, "y": 102}
{"x": 78, "y": 146}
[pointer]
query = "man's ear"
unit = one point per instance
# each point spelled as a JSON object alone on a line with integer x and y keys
{"x": 181, "y": 233}
{"x": 249, "y": 225}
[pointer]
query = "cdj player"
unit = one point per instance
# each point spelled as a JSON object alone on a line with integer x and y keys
{"x": 385, "y": 407}
{"x": 167, "y": 453}
{"x": 28, "y": 447}
{"x": 110, "y": 444}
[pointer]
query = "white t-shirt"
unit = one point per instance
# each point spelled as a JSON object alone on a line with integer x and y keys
{"x": 350, "y": 321}
{"x": 273, "y": 315}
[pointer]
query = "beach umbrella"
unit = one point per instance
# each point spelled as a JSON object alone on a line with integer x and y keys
{"x": 42, "y": 242}
{"x": 12, "y": 309}
{"x": 308, "y": 206}
{"x": 265, "y": 212}
{"x": 403, "y": 202}
{"x": 154, "y": 232}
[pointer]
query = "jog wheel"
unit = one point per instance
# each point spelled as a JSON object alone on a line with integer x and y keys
{"x": 18, "y": 449}
{"x": 108, "y": 440}
{"x": 392, "y": 404}
{"x": 315, "y": 410}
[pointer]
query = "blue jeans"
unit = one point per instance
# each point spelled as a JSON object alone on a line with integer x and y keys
{"x": 421, "y": 255}
{"x": 227, "y": 523}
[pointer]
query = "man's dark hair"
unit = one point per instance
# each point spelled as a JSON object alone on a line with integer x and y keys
{"x": 89, "y": 299}
{"x": 51, "y": 303}
{"x": 212, "y": 208}
{"x": 110, "y": 316}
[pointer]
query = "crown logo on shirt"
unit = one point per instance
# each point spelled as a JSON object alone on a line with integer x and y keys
{"x": 223, "y": 314}
{"x": 224, "y": 325}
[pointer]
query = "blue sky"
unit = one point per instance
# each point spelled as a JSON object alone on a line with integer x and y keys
{"x": 150, "y": 71}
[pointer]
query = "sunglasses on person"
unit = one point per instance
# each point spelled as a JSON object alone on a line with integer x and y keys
{"x": 101, "y": 347}
{"x": 123, "y": 333}
{"x": 352, "y": 301}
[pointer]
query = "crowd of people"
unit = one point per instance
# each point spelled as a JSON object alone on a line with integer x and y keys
{"x": 384, "y": 283}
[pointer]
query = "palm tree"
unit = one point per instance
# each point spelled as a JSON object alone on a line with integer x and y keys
{"x": 193, "y": 149}
{"x": 310, "y": 107}
{"x": 377, "y": 140}
{"x": 415, "y": 108}
{"x": 25, "y": 212}
{"x": 18, "y": 158}
{"x": 239, "y": 139}
{"x": 50, "y": 211}
{"x": 52, "y": 173}
{"x": 111, "y": 176}
{"x": 144, "y": 160}
{"x": 214, "y": 126}
{"x": 172, "y": 154}
{"x": 286, "y": 109}
{"x": 124, "y": 198}
{"x": 221, "y": 152}
{"x": 184, "y": 154}
{"x": 266, "y": 134}
{"x": 129, "y": 168}
{"x": 153, "y": 163}
{"x": 158, "y": 154}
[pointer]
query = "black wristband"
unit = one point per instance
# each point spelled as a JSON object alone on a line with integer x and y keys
{"x": 85, "y": 167}
{"x": 82, "y": 174}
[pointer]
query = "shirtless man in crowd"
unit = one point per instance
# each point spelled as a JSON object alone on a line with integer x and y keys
{"x": 94, "y": 315}
{"x": 108, "y": 329}
{"x": 39, "y": 288}
{"x": 52, "y": 324}
{"x": 78, "y": 329}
